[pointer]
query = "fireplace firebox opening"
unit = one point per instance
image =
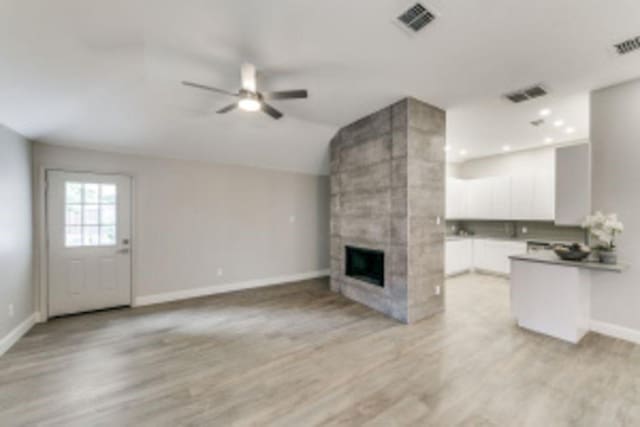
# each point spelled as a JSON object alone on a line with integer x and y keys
{"x": 365, "y": 264}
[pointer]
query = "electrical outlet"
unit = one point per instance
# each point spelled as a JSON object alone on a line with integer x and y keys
{"x": 292, "y": 219}
{"x": 220, "y": 272}
{"x": 525, "y": 230}
{"x": 11, "y": 312}
{"x": 438, "y": 220}
{"x": 437, "y": 290}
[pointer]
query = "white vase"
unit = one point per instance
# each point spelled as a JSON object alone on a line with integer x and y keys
{"x": 609, "y": 257}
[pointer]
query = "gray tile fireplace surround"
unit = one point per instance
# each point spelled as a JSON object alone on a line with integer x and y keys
{"x": 387, "y": 194}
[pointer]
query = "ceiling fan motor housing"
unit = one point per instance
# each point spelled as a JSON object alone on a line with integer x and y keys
{"x": 247, "y": 94}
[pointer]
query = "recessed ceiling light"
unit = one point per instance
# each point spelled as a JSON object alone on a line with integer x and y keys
{"x": 558, "y": 123}
{"x": 447, "y": 148}
{"x": 506, "y": 148}
{"x": 548, "y": 140}
{"x": 569, "y": 130}
{"x": 463, "y": 152}
{"x": 545, "y": 112}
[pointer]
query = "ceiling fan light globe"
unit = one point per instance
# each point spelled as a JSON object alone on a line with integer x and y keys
{"x": 249, "y": 104}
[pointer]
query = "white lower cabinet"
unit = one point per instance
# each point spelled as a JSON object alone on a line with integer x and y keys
{"x": 489, "y": 255}
{"x": 458, "y": 256}
{"x": 493, "y": 255}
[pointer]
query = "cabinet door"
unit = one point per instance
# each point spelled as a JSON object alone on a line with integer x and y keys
{"x": 493, "y": 255}
{"x": 481, "y": 254}
{"x": 479, "y": 198}
{"x": 462, "y": 199}
{"x": 508, "y": 249}
{"x": 451, "y": 258}
{"x": 448, "y": 257}
{"x": 456, "y": 196}
{"x": 544, "y": 196}
{"x": 450, "y": 198}
{"x": 522, "y": 196}
{"x": 501, "y": 197}
{"x": 573, "y": 184}
{"x": 473, "y": 194}
{"x": 457, "y": 256}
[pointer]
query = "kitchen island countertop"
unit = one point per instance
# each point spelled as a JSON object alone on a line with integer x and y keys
{"x": 549, "y": 257}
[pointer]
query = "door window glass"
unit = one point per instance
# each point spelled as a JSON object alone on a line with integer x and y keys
{"x": 90, "y": 214}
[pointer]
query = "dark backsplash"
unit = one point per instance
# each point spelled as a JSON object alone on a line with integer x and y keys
{"x": 514, "y": 229}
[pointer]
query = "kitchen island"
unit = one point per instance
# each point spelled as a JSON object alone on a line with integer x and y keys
{"x": 552, "y": 296}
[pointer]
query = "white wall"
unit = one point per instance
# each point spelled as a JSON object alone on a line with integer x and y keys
{"x": 16, "y": 238}
{"x": 520, "y": 162}
{"x": 615, "y": 139}
{"x": 192, "y": 218}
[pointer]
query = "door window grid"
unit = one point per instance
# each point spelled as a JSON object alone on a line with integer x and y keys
{"x": 90, "y": 214}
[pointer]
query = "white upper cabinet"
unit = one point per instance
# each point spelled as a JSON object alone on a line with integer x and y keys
{"x": 533, "y": 196}
{"x": 457, "y": 190}
{"x": 501, "y": 197}
{"x": 489, "y": 198}
{"x": 450, "y": 195}
{"x": 519, "y": 197}
{"x": 544, "y": 189}
{"x": 480, "y": 198}
{"x": 573, "y": 184}
{"x": 522, "y": 196}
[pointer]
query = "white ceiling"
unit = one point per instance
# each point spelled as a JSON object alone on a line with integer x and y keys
{"x": 496, "y": 126}
{"x": 105, "y": 73}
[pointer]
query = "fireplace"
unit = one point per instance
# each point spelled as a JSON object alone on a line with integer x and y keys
{"x": 365, "y": 264}
{"x": 387, "y": 204}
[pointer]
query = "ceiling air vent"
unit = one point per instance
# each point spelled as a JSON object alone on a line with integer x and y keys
{"x": 416, "y": 17}
{"x": 526, "y": 94}
{"x": 628, "y": 46}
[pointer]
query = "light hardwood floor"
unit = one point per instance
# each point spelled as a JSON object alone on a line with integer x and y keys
{"x": 299, "y": 355}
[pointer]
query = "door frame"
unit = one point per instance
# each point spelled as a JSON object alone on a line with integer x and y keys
{"x": 41, "y": 221}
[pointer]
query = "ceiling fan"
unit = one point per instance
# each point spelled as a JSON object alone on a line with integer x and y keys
{"x": 249, "y": 97}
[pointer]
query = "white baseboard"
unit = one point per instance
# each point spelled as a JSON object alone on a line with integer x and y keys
{"x": 615, "y": 331}
{"x": 226, "y": 287}
{"x": 18, "y": 332}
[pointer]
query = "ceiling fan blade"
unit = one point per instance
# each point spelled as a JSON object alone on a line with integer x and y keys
{"x": 248, "y": 76}
{"x": 227, "y": 108}
{"x": 271, "y": 111}
{"x": 209, "y": 88}
{"x": 286, "y": 94}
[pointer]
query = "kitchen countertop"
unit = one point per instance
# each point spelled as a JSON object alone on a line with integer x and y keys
{"x": 549, "y": 257}
{"x": 475, "y": 236}
{"x": 507, "y": 239}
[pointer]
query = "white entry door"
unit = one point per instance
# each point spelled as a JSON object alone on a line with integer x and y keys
{"x": 89, "y": 238}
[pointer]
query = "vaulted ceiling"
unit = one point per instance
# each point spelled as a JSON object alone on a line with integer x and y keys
{"x": 106, "y": 74}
